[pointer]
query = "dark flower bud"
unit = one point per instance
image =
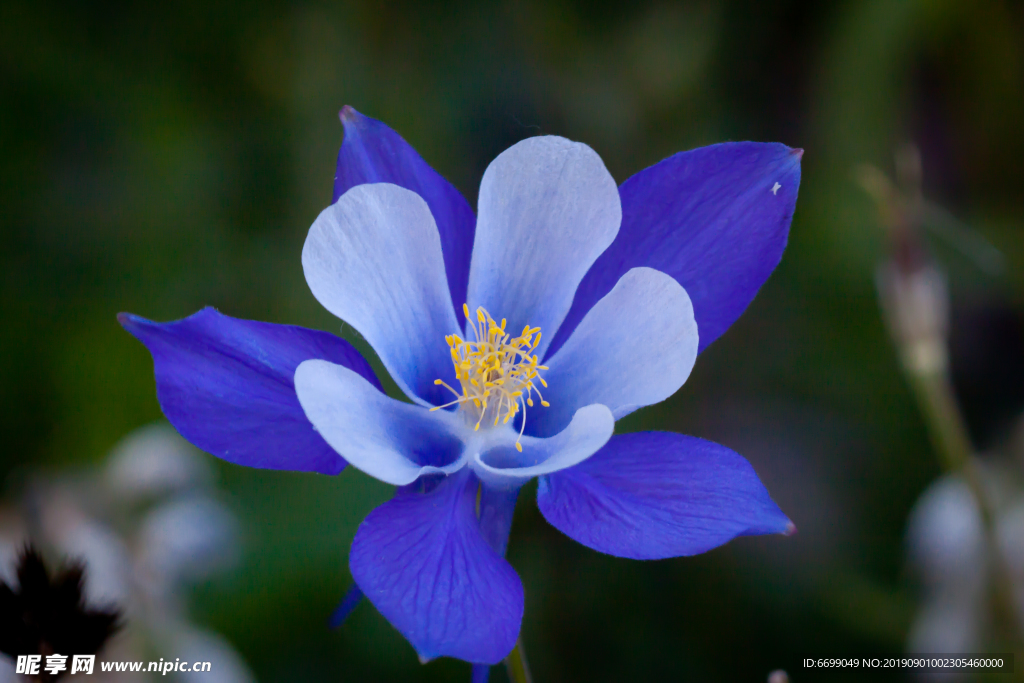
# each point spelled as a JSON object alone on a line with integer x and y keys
{"x": 46, "y": 616}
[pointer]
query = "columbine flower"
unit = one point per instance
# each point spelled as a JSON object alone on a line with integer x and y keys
{"x": 520, "y": 335}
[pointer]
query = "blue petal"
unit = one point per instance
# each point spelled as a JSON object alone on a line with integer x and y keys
{"x": 547, "y": 209}
{"x": 711, "y": 218}
{"x": 373, "y": 259}
{"x": 652, "y": 495}
{"x": 420, "y": 559}
{"x": 226, "y": 385}
{"x": 373, "y": 153}
{"x": 389, "y": 440}
{"x": 635, "y": 347}
{"x": 481, "y": 673}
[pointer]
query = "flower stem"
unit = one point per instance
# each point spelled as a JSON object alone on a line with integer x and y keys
{"x": 496, "y": 507}
{"x": 518, "y": 669}
{"x": 915, "y": 304}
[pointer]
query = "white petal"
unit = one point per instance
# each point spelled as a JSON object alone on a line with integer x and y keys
{"x": 548, "y": 207}
{"x": 502, "y": 466}
{"x": 374, "y": 260}
{"x": 389, "y": 440}
{"x": 635, "y": 347}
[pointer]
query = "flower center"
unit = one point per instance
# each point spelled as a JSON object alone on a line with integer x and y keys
{"x": 497, "y": 372}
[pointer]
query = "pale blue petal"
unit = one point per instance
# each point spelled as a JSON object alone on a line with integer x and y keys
{"x": 374, "y": 260}
{"x": 547, "y": 209}
{"x": 373, "y": 153}
{"x": 503, "y": 466}
{"x": 635, "y": 347}
{"x": 389, "y": 440}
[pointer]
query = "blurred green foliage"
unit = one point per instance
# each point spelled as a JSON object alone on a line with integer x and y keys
{"x": 161, "y": 157}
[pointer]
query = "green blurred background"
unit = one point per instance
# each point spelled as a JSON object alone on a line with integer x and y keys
{"x": 160, "y": 157}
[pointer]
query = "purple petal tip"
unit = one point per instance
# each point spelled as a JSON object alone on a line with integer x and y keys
{"x": 348, "y": 114}
{"x": 128, "y": 320}
{"x": 790, "y": 527}
{"x": 797, "y": 152}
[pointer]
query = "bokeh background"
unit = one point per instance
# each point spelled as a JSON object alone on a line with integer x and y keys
{"x": 161, "y": 157}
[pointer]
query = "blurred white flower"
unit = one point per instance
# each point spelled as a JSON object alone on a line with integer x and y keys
{"x": 144, "y": 525}
{"x": 154, "y": 461}
{"x": 946, "y": 549}
{"x": 187, "y": 539}
{"x": 945, "y": 538}
{"x": 946, "y": 624}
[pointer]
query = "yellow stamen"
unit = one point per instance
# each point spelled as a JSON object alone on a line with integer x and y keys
{"x": 496, "y": 372}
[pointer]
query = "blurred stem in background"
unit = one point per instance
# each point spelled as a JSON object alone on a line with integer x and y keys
{"x": 518, "y": 669}
{"x": 915, "y": 303}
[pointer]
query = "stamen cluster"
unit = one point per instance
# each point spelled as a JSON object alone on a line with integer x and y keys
{"x": 496, "y": 371}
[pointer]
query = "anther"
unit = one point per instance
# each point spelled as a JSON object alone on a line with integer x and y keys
{"x": 496, "y": 371}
